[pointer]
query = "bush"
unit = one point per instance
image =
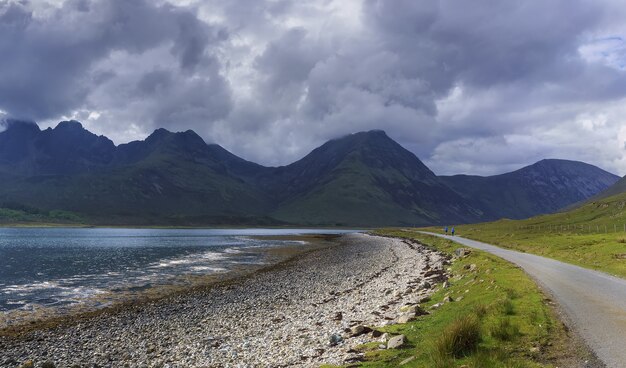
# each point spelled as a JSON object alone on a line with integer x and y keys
{"x": 459, "y": 339}
{"x": 504, "y": 330}
{"x": 507, "y": 307}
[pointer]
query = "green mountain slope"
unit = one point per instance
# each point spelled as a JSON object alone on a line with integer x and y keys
{"x": 366, "y": 179}
{"x": 170, "y": 178}
{"x": 363, "y": 179}
{"x": 543, "y": 187}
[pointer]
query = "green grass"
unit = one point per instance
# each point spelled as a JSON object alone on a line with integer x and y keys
{"x": 499, "y": 319}
{"x": 9, "y": 216}
{"x": 591, "y": 236}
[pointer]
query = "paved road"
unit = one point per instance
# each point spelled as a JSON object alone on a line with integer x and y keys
{"x": 595, "y": 302}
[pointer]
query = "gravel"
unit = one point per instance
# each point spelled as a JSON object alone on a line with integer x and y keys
{"x": 313, "y": 310}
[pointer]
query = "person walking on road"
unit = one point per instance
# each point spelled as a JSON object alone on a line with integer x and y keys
{"x": 452, "y": 231}
{"x": 446, "y": 230}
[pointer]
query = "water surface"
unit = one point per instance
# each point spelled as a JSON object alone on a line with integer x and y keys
{"x": 55, "y": 267}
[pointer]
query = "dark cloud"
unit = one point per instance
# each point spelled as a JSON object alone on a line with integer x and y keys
{"x": 482, "y": 87}
{"x": 53, "y": 63}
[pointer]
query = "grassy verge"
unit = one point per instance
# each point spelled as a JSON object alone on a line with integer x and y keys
{"x": 592, "y": 235}
{"x": 498, "y": 318}
{"x": 603, "y": 251}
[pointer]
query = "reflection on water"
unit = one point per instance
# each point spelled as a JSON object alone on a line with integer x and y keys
{"x": 64, "y": 266}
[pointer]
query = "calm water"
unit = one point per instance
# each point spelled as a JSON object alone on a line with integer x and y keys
{"x": 61, "y": 267}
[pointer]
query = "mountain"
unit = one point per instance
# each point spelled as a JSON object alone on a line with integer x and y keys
{"x": 544, "y": 187}
{"x": 362, "y": 179}
{"x": 66, "y": 149}
{"x": 618, "y": 188}
{"x": 169, "y": 178}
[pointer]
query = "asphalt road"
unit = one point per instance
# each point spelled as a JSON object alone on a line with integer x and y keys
{"x": 594, "y": 302}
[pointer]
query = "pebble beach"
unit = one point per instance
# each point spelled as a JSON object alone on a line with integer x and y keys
{"x": 311, "y": 310}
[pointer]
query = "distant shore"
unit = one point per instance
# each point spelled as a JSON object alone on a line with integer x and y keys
{"x": 297, "y": 313}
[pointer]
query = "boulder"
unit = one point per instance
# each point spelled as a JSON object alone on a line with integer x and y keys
{"x": 462, "y": 252}
{"x": 335, "y": 339}
{"x": 396, "y": 342}
{"x": 405, "y": 318}
{"x": 359, "y": 330}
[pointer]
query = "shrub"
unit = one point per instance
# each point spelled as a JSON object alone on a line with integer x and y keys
{"x": 458, "y": 339}
{"x": 504, "y": 330}
{"x": 507, "y": 307}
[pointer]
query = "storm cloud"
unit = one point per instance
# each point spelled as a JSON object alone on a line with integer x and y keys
{"x": 479, "y": 88}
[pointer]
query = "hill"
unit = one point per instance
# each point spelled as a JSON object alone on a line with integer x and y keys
{"x": 544, "y": 187}
{"x": 363, "y": 179}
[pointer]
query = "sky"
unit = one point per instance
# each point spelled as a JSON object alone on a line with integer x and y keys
{"x": 477, "y": 87}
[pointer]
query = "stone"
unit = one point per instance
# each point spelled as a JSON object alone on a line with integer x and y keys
{"x": 407, "y": 360}
{"x": 448, "y": 299}
{"x": 335, "y": 339}
{"x": 338, "y": 316}
{"x": 405, "y": 318}
{"x": 28, "y": 364}
{"x": 396, "y": 342}
{"x": 462, "y": 252}
{"x": 47, "y": 364}
{"x": 359, "y": 330}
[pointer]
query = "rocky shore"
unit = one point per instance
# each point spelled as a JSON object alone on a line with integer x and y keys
{"x": 312, "y": 310}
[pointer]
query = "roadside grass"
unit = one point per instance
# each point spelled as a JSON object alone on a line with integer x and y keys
{"x": 604, "y": 252}
{"x": 498, "y": 318}
{"x": 592, "y": 235}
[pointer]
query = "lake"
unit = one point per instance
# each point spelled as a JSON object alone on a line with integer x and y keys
{"x": 60, "y": 267}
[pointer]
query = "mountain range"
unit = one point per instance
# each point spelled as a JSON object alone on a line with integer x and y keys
{"x": 363, "y": 179}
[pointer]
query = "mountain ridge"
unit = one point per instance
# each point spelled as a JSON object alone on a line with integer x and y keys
{"x": 361, "y": 179}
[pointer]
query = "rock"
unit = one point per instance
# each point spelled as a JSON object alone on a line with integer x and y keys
{"x": 445, "y": 285}
{"x": 396, "y": 342}
{"x": 405, "y": 318}
{"x": 470, "y": 267}
{"x": 435, "y": 306}
{"x": 462, "y": 252}
{"x": 47, "y": 364}
{"x": 382, "y": 346}
{"x": 425, "y": 299}
{"x": 376, "y": 333}
{"x": 407, "y": 360}
{"x": 448, "y": 299}
{"x": 359, "y": 330}
{"x": 28, "y": 364}
{"x": 335, "y": 339}
{"x": 338, "y": 316}
{"x": 384, "y": 337}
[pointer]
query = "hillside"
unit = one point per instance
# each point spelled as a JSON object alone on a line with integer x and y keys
{"x": 543, "y": 187}
{"x": 366, "y": 178}
{"x": 592, "y": 235}
{"x": 362, "y": 179}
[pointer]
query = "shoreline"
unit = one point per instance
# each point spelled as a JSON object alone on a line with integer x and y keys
{"x": 284, "y": 315}
{"x": 278, "y": 257}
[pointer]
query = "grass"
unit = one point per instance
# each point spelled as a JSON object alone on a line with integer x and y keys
{"x": 592, "y": 236}
{"x": 499, "y": 319}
